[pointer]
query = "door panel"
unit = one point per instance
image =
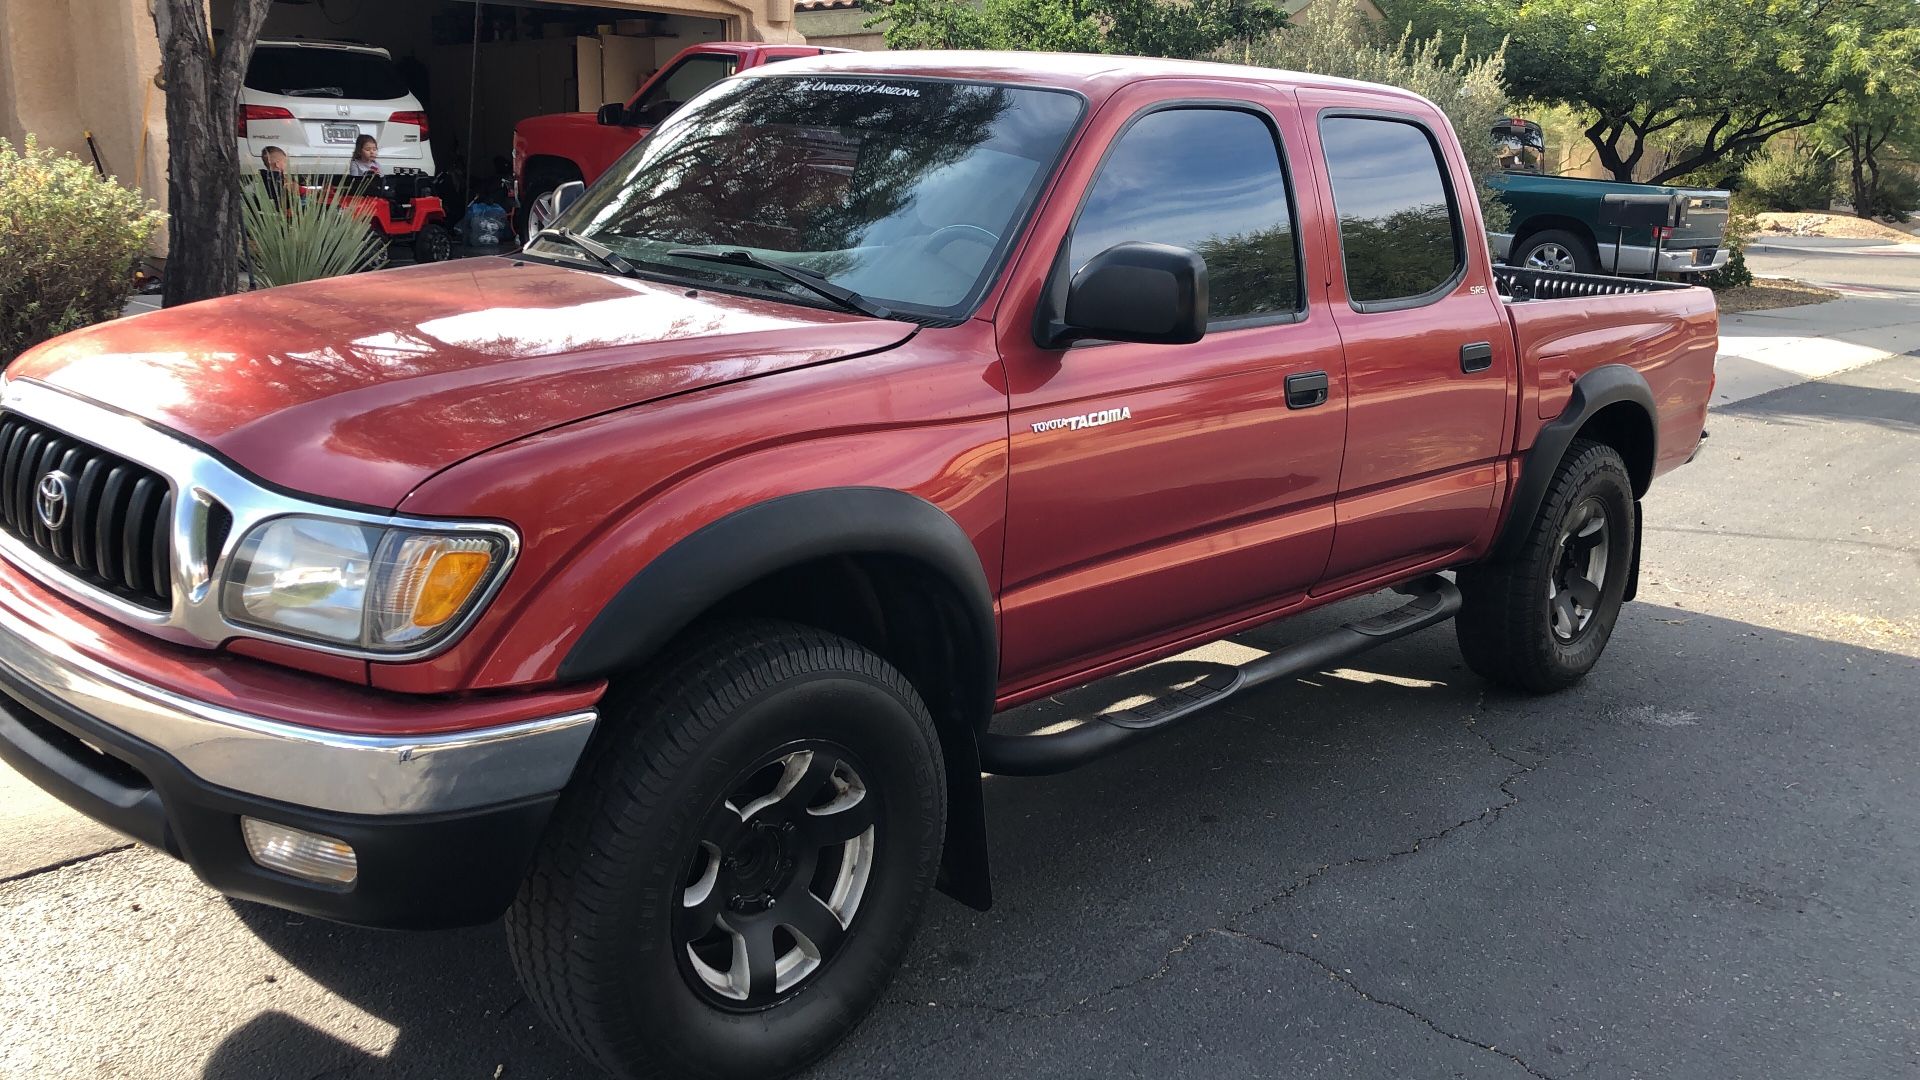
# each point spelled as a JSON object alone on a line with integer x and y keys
{"x": 1426, "y": 422}
{"x": 1190, "y": 492}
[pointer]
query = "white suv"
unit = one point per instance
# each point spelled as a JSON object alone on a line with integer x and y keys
{"x": 314, "y": 99}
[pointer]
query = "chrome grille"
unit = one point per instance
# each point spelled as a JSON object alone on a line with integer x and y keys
{"x": 118, "y": 515}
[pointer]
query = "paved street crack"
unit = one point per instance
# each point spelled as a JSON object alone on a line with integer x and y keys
{"x": 1344, "y": 980}
{"x": 27, "y": 875}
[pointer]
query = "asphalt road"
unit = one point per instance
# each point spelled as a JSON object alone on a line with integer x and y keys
{"x": 1701, "y": 863}
{"x": 1850, "y": 265}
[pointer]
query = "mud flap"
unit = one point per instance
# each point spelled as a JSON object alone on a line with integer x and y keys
{"x": 1633, "y": 570}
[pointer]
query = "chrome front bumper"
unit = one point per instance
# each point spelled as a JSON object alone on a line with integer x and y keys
{"x": 322, "y": 770}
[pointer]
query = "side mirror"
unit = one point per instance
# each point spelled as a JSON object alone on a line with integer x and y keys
{"x": 566, "y": 195}
{"x": 614, "y": 114}
{"x": 1150, "y": 293}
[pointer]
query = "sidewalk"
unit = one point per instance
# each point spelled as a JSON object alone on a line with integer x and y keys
{"x": 1762, "y": 351}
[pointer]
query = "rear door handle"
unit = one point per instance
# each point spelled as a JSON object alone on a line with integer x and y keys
{"x": 1476, "y": 357}
{"x": 1307, "y": 389}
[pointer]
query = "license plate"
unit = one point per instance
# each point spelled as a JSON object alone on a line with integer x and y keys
{"x": 340, "y": 133}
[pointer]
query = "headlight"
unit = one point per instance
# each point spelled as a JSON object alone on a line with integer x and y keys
{"x": 362, "y": 586}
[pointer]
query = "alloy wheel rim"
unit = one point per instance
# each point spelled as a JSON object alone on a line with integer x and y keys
{"x": 1579, "y": 571}
{"x": 775, "y": 882}
{"x": 1550, "y": 257}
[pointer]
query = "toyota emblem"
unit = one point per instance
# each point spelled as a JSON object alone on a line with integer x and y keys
{"x": 51, "y": 502}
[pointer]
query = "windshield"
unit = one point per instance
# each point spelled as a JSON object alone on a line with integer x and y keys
{"x": 293, "y": 71}
{"x": 905, "y": 191}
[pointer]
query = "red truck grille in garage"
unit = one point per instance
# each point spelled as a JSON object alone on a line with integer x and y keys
{"x": 98, "y": 516}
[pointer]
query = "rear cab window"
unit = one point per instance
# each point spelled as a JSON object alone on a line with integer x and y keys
{"x": 307, "y": 71}
{"x": 1210, "y": 179}
{"x": 1400, "y": 232}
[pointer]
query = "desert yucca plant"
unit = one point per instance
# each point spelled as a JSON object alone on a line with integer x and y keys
{"x": 68, "y": 241}
{"x": 294, "y": 237}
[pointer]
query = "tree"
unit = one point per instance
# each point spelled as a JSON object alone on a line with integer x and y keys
{"x": 1722, "y": 75}
{"x": 1880, "y": 110}
{"x": 1180, "y": 28}
{"x": 203, "y": 171}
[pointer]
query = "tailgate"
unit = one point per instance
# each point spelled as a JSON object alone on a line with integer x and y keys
{"x": 1706, "y": 220}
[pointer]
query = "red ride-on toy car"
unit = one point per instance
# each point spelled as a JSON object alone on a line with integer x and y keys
{"x": 402, "y": 209}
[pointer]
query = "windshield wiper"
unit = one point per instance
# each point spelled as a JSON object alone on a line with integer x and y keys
{"x": 806, "y": 279}
{"x": 601, "y": 253}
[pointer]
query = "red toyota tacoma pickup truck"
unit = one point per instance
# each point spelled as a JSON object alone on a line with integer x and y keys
{"x": 658, "y": 586}
{"x": 551, "y": 150}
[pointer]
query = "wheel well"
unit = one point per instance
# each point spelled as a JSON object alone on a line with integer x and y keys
{"x": 1542, "y": 222}
{"x": 1626, "y": 427}
{"x": 901, "y": 609}
{"x": 551, "y": 163}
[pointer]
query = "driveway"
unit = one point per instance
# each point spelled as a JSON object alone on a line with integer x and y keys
{"x": 1702, "y": 862}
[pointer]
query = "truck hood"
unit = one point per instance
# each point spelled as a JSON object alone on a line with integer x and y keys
{"x": 360, "y": 388}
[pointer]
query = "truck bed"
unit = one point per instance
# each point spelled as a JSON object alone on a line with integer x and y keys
{"x": 1666, "y": 330}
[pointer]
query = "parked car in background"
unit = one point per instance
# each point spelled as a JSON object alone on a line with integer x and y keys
{"x": 1557, "y": 221}
{"x": 550, "y": 150}
{"x": 315, "y": 99}
{"x": 658, "y": 586}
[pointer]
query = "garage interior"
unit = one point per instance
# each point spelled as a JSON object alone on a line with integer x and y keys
{"x": 510, "y": 58}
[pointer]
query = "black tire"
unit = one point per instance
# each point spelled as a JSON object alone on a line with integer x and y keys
{"x": 1556, "y": 246}
{"x": 597, "y": 930}
{"x": 433, "y": 243}
{"x": 1510, "y": 630}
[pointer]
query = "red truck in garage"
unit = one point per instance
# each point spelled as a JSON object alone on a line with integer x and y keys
{"x": 551, "y": 150}
{"x": 658, "y": 586}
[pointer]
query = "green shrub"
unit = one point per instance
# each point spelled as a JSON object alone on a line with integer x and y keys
{"x": 1896, "y": 196}
{"x": 1798, "y": 179}
{"x": 1743, "y": 224}
{"x": 297, "y": 237}
{"x": 68, "y": 241}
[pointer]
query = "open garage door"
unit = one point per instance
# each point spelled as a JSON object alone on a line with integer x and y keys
{"x": 475, "y": 70}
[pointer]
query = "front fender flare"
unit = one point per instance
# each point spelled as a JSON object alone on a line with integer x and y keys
{"x": 729, "y": 554}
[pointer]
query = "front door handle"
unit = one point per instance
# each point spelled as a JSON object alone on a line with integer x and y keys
{"x": 1307, "y": 389}
{"x": 1476, "y": 357}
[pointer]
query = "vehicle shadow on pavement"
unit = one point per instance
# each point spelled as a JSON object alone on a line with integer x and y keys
{"x": 1300, "y": 885}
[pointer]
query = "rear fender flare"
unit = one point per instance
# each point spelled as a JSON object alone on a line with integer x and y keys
{"x": 1608, "y": 384}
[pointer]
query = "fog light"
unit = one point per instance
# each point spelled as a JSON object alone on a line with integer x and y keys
{"x": 300, "y": 853}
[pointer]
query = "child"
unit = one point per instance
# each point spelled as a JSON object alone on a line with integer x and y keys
{"x": 366, "y": 155}
{"x": 273, "y": 171}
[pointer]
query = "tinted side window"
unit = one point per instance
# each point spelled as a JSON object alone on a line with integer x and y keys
{"x": 694, "y": 74}
{"x": 1205, "y": 179}
{"x": 1397, "y": 226}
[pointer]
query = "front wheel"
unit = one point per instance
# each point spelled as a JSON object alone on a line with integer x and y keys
{"x": 726, "y": 888}
{"x": 1540, "y": 620}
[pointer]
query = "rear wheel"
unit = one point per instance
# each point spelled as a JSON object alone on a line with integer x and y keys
{"x": 727, "y": 887}
{"x": 1555, "y": 249}
{"x": 1541, "y": 620}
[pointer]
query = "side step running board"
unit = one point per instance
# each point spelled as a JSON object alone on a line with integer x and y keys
{"x": 1435, "y": 600}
